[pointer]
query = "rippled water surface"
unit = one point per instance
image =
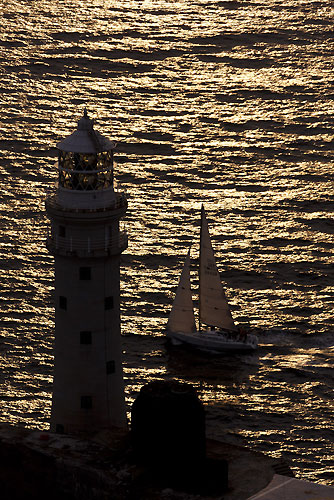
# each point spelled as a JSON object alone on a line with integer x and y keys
{"x": 228, "y": 103}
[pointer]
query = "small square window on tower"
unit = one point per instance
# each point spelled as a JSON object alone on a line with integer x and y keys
{"x": 86, "y": 402}
{"x": 109, "y": 302}
{"x": 85, "y": 273}
{"x": 62, "y": 302}
{"x": 110, "y": 367}
{"x": 85, "y": 337}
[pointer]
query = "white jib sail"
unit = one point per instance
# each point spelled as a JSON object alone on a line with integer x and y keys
{"x": 181, "y": 318}
{"x": 214, "y": 308}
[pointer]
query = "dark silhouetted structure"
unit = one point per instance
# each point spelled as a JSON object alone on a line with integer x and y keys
{"x": 168, "y": 437}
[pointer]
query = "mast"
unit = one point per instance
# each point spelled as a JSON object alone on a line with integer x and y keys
{"x": 200, "y": 269}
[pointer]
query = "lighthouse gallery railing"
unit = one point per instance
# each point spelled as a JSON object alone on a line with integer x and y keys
{"x": 68, "y": 245}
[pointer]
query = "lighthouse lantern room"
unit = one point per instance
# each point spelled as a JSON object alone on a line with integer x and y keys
{"x": 86, "y": 241}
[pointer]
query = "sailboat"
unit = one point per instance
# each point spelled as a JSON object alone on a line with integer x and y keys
{"x": 216, "y": 329}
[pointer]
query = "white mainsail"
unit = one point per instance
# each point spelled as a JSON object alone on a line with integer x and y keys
{"x": 181, "y": 318}
{"x": 214, "y": 308}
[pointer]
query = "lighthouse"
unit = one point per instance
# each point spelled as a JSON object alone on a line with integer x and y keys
{"x": 86, "y": 240}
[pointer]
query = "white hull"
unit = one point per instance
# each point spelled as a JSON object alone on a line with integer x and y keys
{"x": 213, "y": 340}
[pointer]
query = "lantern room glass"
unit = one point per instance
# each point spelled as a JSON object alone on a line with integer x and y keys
{"x": 86, "y": 172}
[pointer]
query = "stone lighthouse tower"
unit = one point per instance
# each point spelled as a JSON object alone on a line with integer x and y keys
{"x": 86, "y": 241}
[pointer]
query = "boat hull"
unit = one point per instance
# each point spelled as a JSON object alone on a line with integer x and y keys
{"x": 214, "y": 341}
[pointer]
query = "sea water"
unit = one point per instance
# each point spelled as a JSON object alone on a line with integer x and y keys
{"x": 226, "y": 103}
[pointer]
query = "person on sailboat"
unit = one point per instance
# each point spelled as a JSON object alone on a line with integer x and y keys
{"x": 242, "y": 334}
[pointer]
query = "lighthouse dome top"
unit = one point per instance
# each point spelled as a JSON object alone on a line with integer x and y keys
{"x": 85, "y": 139}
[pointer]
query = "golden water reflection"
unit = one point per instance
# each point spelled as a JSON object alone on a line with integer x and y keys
{"x": 225, "y": 104}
